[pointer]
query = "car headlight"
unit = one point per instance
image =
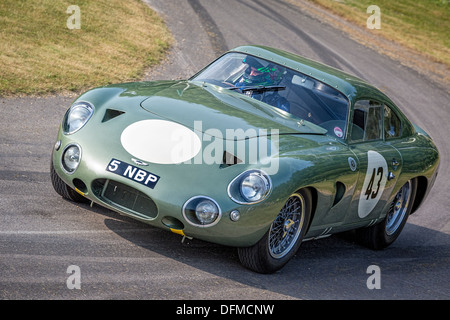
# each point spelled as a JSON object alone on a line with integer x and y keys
{"x": 250, "y": 187}
{"x": 71, "y": 158}
{"x": 254, "y": 187}
{"x": 77, "y": 116}
{"x": 201, "y": 211}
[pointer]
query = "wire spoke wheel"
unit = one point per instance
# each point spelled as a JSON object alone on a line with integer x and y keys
{"x": 383, "y": 234}
{"x": 398, "y": 209}
{"x": 284, "y": 237}
{"x": 287, "y": 227}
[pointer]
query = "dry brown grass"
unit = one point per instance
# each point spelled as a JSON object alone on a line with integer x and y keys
{"x": 117, "y": 41}
{"x": 421, "y": 25}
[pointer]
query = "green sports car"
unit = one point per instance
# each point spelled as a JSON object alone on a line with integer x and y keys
{"x": 260, "y": 150}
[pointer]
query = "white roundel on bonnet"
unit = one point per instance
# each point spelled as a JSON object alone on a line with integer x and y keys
{"x": 160, "y": 141}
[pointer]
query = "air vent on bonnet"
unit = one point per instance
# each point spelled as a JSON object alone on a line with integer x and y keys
{"x": 229, "y": 159}
{"x": 111, "y": 114}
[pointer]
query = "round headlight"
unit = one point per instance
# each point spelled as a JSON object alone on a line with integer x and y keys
{"x": 254, "y": 187}
{"x": 250, "y": 187}
{"x": 201, "y": 211}
{"x": 71, "y": 158}
{"x": 206, "y": 211}
{"x": 77, "y": 116}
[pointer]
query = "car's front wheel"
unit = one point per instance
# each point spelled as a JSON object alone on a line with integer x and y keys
{"x": 283, "y": 238}
{"x": 387, "y": 231}
{"x": 63, "y": 189}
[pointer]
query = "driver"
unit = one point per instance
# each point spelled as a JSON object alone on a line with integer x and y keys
{"x": 256, "y": 74}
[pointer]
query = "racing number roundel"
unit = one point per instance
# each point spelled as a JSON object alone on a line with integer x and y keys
{"x": 160, "y": 141}
{"x": 374, "y": 183}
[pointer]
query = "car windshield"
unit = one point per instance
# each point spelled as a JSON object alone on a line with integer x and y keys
{"x": 291, "y": 91}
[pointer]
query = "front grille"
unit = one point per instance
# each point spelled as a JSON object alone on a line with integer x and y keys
{"x": 125, "y": 198}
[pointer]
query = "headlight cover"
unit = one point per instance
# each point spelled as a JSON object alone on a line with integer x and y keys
{"x": 71, "y": 158}
{"x": 77, "y": 116}
{"x": 250, "y": 187}
{"x": 202, "y": 211}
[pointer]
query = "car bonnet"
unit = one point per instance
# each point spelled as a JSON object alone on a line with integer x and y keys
{"x": 209, "y": 107}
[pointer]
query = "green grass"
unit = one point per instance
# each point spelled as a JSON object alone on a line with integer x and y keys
{"x": 39, "y": 54}
{"x": 421, "y": 25}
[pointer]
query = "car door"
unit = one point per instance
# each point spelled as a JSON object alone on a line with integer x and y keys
{"x": 377, "y": 161}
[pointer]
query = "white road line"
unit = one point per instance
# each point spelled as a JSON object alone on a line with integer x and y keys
{"x": 62, "y": 232}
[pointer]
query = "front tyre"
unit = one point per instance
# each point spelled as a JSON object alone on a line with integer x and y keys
{"x": 284, "y": 237}
{"x": 63, "y": 189}
{"x": 386, "y": 232}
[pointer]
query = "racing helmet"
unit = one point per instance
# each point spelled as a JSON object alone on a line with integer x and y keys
{"x": 257, "y": 73}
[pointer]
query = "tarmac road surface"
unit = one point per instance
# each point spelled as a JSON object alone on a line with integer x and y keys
{"x": 42, "y": 236}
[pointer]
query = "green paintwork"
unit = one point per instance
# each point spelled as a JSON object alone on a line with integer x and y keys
{"x": 308, "y": 157}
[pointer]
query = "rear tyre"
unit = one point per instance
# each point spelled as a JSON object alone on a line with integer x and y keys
{"x": 383, "y": 234}
{"x": 284, "y": 237}
{"x": 63, "y": 189}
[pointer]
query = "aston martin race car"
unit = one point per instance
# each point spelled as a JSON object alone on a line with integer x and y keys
{"x": 260, "y": 150}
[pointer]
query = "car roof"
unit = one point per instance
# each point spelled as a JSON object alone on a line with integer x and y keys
{"x": 351, "y": 86}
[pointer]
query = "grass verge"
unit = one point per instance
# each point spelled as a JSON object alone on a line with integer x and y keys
{"x": 421, "y": 25}
{"x": 117, "y": 40}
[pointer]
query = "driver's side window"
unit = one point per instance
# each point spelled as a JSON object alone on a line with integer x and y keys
{"x": 392, "y": 124}
{"x": 367, "y": 124}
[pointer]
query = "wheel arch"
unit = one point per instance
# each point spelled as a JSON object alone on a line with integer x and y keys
{"x": 422, "y": 187}
{"x": 314, "y": 199}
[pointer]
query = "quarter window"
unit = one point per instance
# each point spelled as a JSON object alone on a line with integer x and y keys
{"x": 367, "y": 122}
{"x": 392, "y": 124}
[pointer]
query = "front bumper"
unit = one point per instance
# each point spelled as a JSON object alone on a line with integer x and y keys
{"x": 162, "y": 205}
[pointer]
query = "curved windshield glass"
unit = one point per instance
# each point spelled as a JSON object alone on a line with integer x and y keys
{"x": 281, "y": 87}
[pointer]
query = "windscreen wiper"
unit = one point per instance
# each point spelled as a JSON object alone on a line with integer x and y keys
{"x": 263, "y": 88}
{"x": 258, "y": 88}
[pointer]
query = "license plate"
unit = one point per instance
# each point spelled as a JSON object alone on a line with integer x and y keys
{"x": 133, "y": 173}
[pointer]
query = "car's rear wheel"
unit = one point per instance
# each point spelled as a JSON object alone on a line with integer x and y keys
{"x": 283, "y": 238}
{"x": 63, "y": 189}
{"x": 387, "y": 231}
